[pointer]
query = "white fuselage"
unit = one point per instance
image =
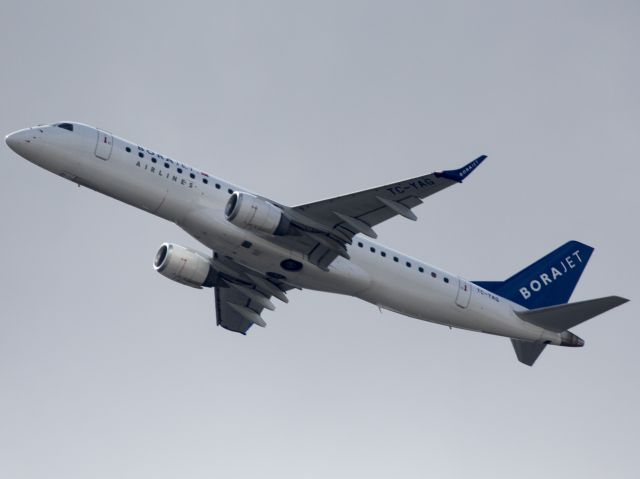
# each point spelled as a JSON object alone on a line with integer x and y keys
{"x": 195, "y": 201}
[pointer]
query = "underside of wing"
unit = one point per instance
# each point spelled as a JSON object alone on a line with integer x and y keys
{"x": 324, "y": 228}
{"x": 236, "y": 312}
{"x": 242, "y": 295}
{"x": 360, "y": 212}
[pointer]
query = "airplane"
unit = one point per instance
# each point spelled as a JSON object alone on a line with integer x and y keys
{"x": 260, "y": 249}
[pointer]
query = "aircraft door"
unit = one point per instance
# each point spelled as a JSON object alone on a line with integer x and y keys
{"x": 104, "y": 145}
{"x": 464, "y": 293}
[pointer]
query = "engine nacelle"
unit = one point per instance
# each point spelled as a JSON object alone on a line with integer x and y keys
{"x": 252, "y": 213}
{"x": 185, "y": 266}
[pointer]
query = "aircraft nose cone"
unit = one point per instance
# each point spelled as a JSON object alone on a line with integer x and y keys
{"x": 11, "y": 141}
{"x": 17, "y": 140}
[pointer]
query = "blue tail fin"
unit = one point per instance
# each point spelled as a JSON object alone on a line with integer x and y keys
{"x": 547, "y": 282}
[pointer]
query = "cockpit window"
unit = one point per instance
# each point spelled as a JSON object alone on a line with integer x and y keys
{"x": 66, "y": 126}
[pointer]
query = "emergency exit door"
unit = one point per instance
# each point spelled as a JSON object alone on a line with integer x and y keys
{"x": 104, "y": 145}
{"x": 464, "y": 293}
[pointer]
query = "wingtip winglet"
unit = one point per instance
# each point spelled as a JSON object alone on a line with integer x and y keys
{"x": 461, "y": 173}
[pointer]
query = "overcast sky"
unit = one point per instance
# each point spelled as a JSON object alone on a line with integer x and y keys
{"x": 108, "y": 369}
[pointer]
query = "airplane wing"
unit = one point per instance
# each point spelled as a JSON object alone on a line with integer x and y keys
{"x": 326, "y": 226}
{"x": 242, "y": 295}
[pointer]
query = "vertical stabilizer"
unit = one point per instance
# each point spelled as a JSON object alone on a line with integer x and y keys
{"x": 547, "y": 282}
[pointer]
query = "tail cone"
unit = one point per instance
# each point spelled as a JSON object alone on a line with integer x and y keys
{"x": 571, "y": 340}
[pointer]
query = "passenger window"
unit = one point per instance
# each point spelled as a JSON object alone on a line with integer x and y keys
{"x": 383, "y": 254}
{"x": 192, "y": 175}
{"x": 408, "y": 265}
{"x": 217, "y": 186}
{"x": 421, "y": 269}
{"x": 446, "y": 280}
{"x": 205, "y": 181}
{"x": 433, "y": 275}
{"x": 230, "y": 191}
{"x": 395, "y": 258}
{"x": 179, "y": 170}
{"x": 166, "y": 165}
{"x": 153, "y": 160}
{"x": 372, "y": 249}
{"x": 128, "y": 149}
{"x": 140, "y": 154}
{"x": 360, "y": 245}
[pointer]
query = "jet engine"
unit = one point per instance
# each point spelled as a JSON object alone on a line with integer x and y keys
{"x": 185, "y": 266}
{"x": 252, "y": 213}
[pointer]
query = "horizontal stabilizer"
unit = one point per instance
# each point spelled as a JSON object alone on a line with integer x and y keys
{"x": 564, "y": 316}
{"x": 527, "y": 351}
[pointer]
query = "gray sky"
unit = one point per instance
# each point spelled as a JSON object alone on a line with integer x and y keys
{"x": 109, "y": 370}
